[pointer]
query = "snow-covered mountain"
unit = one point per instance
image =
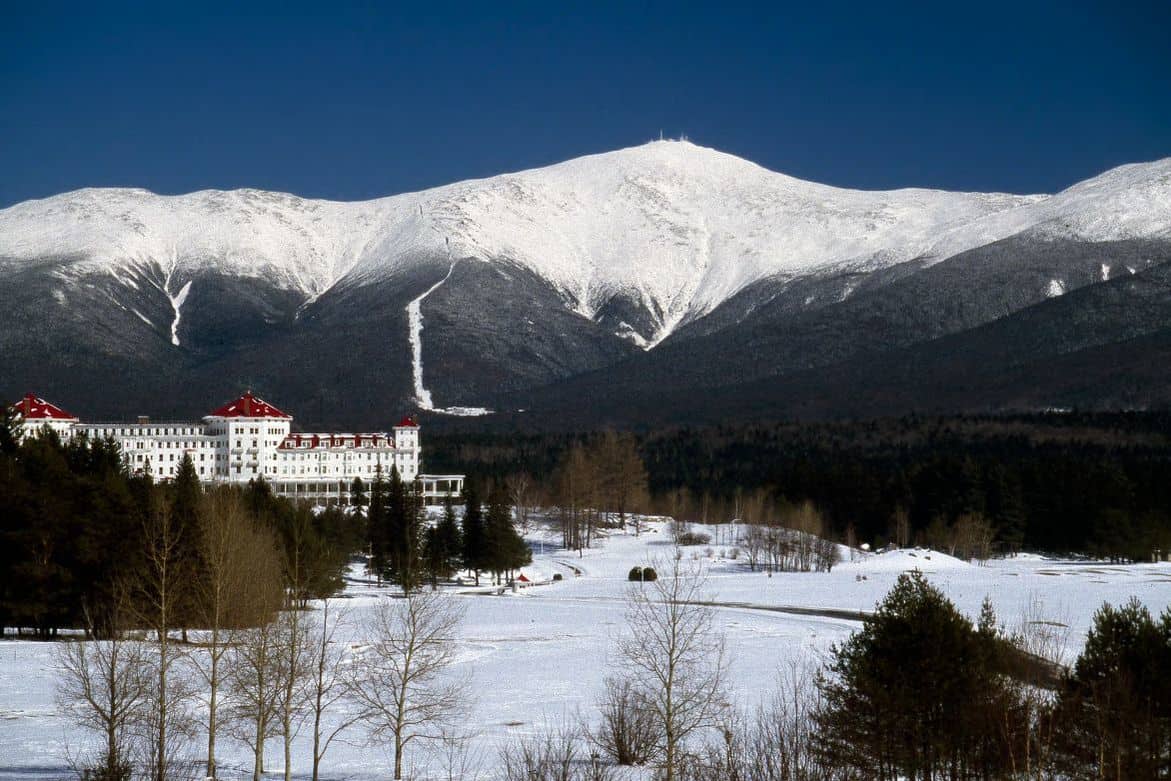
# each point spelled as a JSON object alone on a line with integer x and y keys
{"x": 522, "y": 279}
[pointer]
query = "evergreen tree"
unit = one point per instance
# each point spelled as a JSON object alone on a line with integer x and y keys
{"x": 1006, "y": 507}
{"x": 411, "y": 567}
{"x": 395, "y": 523}
{"x": 260, "y": 498}
{"x": 447, "y": 531}
{"x": 186, "y": 492}
{"x": 506, "y": 550}
{"x": 376, "y": 527}
{"x": 1115, "y": 708}
{"x": 910, "y": 695}
{"x": 404, "y": 523}
{"x": 474, "y": 537}
{"x": 9, "y": 431}
{"x": 358, "y": 498}
{"x": 441, "y": 545}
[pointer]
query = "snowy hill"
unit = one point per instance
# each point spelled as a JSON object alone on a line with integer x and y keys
{"x": 529, "y": 278}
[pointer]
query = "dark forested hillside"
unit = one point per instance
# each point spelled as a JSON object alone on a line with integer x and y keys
{"x": 1094, "y": 483}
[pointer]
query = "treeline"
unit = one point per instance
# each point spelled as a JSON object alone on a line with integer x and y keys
{"x": 1098, "y": 484}
{"x": 79, "y": 534}
{"x": 919, "y": 693}
{"x": 404, "y": 548}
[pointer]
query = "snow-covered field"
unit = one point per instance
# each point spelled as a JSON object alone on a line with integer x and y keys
{"x": 539, "y": 657}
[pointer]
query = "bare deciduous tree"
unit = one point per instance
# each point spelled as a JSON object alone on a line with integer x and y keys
{"x": 1041, "y": 636}
{"x": 521, "y": 490}
{"x": 556, "y": 754}
{"x": 294, "y": 673}
{"x": 973, "y": 537}
{"x": 226, "y": 598}
{"x": 327, "y": 689}
{"x": 399, "y": 680}
{"x": 755, "y": 543}
{"x": 457, "y": 759}
{"x": 162, "y": 589}
{"x": 623, "y": 474}
{"x": 901, "y": 527}
{"x": 253, "y": 675}
{"x": 576, "y": 497}
{"x": 255, "y": 689}
{"x": 103, "y": 685}
{"x": 674, "y": 658}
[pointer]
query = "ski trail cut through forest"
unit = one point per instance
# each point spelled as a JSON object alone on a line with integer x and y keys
{"x": 415, "y": 320}
{"x": 415, "y": 336}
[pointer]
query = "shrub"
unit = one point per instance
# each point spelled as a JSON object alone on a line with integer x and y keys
{"x": 114, "y": 770}
{"x": 557, "y": 576}
{"x": 693, "y": 538}
{"x": 642, "y": 574}
{"x": 628, "y": 733}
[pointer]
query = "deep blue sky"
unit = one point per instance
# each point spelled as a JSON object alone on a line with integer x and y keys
{"x": 358, "y": 100}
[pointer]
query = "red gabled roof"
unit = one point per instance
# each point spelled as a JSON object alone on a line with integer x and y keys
{"x": 35, "y": 408}
{"x": 407, "y": 421}
{"x": 249, "y": 406}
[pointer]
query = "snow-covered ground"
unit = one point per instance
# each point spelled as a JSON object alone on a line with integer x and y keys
{"x": 539, "y": 657}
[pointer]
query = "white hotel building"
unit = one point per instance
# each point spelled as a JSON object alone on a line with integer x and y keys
{"x": 248, "y": 439}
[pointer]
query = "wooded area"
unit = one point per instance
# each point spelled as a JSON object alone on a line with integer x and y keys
{"x": 1064, "y": 482}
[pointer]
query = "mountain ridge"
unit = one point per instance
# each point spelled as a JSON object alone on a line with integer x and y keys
{"x": 534, "y": 278}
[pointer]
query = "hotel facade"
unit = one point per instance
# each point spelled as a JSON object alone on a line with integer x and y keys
{"x": 248, "y": 439}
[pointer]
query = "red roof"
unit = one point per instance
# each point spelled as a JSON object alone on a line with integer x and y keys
{"x": 34, "y": 408}
{"x": 249, "y": 406}
{"x": 407, "y": 421}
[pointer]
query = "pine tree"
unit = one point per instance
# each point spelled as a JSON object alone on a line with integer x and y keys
{"x": 9, "y": 431}
{"x": 186, "y": 494}
{"x": 909, "y": 696}
{"x": 358, "y": 498}
{"x": 394, "y": 521}
{"x": 1115, "y": 708}
{"x": 441, "y": 545}
{"x": 474, "y": 539}
{"x": 1006, "y": 507}
{"x": 506, "y": 550}
{"x": 447, "y": 531}
{"x": 376, "y": 527}
{"x": 411, "y": 567}
{"x": 404, "y": 522}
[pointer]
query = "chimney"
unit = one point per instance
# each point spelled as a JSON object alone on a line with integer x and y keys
{"x": 143, "y": 420}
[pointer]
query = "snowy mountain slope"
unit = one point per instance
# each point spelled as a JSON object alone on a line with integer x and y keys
{"x": 1128, "y": 202}
{"x": 719, "y": 269}
{"x": 672, "y": 225}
